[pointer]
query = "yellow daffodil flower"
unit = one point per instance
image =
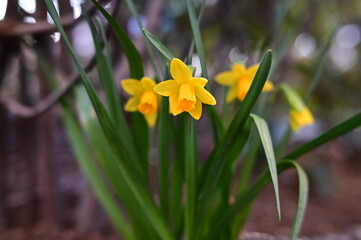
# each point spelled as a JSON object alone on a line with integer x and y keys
{"x": 239, "y": 79}
{"x": 143, "y": 99}
{"x": 186, "y": 93}
{"x": 300, "y": 118}
{"x": 299, "y": 113}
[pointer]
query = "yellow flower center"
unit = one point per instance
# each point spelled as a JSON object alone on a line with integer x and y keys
{"x": 148, "y": 102}
{"x": 187, "y": 97}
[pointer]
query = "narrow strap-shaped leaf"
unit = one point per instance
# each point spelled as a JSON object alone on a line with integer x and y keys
{"x": 90, "y": 170}
{"x": 177, "y": 174}
{"x": 150, "y": 52}
{"x": 216, "y": 124}
{"x": 339, "y": 130}
{"x": 249, "y": 195}
{"x": 226, "y": 180}
{"x": 163, "y": 140}
{"x": 133, "y": 56}
{"x": 197, "y": 35}
{"x": 302, "y": 200}
{"x": 107, "y": 79}
{"x": 101, "y": 28}
{"x": 111, "y": 132}
{"x": 131, "y": 174}
{"x": 158, "y": 45}
{"x": 141, "y": 133}
{"x": 213, "y": 173}
{"x": 191, "y": 181}
{"x": 300, "y": 211}
{"x": 109, "y": 164}
{"x": 264, "y": 134}
{"x": 200, "y": 15}
{"x": 85, "y": 159}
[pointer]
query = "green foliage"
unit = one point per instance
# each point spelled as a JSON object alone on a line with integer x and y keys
{"x": 193, "y": 195}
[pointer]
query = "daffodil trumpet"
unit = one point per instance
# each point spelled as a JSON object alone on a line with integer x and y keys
{"x": 239, "y": 80}
{"x": 186, "y": 93}
{"x": 143, "y": 99}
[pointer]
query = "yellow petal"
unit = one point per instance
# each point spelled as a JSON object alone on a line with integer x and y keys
{"x": 251, "y": 71}
{"x": 243, "y": 88}
{"x": 268, "y": 86}
{"x": 132, "y": 104}
{"x": 239, "y": 69}
{"x": 232, "y": 94}
{"x": 151, "y": 118}
{"x": 196, "y": 113}
{"x": 147, "y": 83}
{"x": 132, "y": 86}
{"x": 200, "y": 82}
{"x": 173, "y": 104}
{"x": 167, "y": 88}
{"x": 301, "y": 118}
{"x": 204, "y": 96}
{"x": 226, "y": 78}
{"x": 179, "y": 71}
{"x": 294, "y": 125}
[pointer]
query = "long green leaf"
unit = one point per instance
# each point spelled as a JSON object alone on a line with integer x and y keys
{"x": 139, "y": 127}
{"x": 212, "y": 175}
{"x": 107, "y": 54}
{"x": 107, "y": 79}
{"x": 177, "y": 173}
{"x": 141, "y": 135}
{"x": 158, "y": 45}
{"x": 339, "y": 130}
{"x": 249, "y": 195}
{"x": 197, "y": 35}
{"x": 133, "y": 56}
{"x": 151, "y": 54}
{"x": 226, "y": 180}
{"x": 191, "y": 181}
{"x": 268, "y": 148}
{"x": 90, "y": 170}
{"x": 164, "y": 156}
{"x": 302, "y": 201}
{"x": 131, "y": 175}
{"x": 85, "y": 159}
{"x": 109, "y": 164}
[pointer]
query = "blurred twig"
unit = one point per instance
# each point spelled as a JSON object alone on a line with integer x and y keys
{"x": 24, "y": 111}
{"x": 11, "y": 28}
{"x": 21, "y": 110}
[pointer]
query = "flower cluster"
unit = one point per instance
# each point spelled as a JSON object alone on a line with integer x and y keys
{"x": 187, "y": 93}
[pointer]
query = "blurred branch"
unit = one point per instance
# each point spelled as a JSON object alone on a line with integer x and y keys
{"x": 24, "y": 111}
{"x": 44, "y": 105}
{"x": 10, "y": 27}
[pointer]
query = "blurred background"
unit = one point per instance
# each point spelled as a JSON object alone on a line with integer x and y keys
{"x": 316, "y": 48}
